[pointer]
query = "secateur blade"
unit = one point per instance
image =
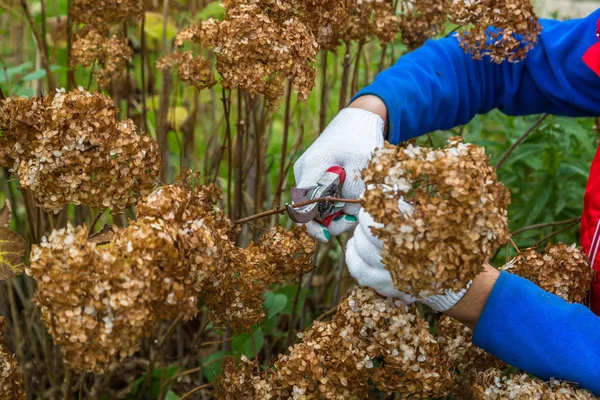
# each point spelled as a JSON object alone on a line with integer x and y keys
{"x": 302, "y": 215}
{"x": 325, "y": 211}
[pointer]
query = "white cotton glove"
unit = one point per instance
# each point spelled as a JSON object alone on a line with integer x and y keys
{"x": 364, "y": 263}
{"x": 348, "y": 142}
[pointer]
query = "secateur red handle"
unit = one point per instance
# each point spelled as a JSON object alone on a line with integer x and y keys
{"x": 342, "y": 177}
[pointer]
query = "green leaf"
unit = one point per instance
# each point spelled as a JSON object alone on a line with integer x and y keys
{"x": 171, "y": 396}
{"x": 212, "y": 364}
{"x": 290, "y": 292}
{"x": 274, "y": 303}
{"x": 242, "y": 344}
{"x": 17, "y": 70}
{"x": 40, "y": 73}
{"x": 158, "y": 377}
{"x": 214, "y": 9}
{"x": 153, "y": 27}
{"x": 539, "y": 200}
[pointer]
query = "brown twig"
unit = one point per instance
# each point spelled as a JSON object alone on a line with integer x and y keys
{"x": 512, "y": 148}
{"x": 197, "y": 389}
{"x": 281, "y": 210}
{"x": 545, "y": 225}
{"x": 551, "y": 235}
{"x": 67, "y": 390}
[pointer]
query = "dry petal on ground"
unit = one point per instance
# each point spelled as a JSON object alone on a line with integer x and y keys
{"x": 562, "y": 270}
{"x": 457, "y": 219}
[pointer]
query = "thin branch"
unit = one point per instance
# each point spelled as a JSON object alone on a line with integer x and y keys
{"x": 281, "y": 210}
{"x": 545, "y": 225}
{"x": 67, "y": 390}
{"x": 551, "y": 235}
{"x": 197, "y": 389}
{"x": 94, "y": 222}
{"x": 512, "y": 148}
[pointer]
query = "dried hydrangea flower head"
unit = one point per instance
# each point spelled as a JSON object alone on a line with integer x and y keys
{"x": 456, "y": 220}
{"x": 256, "y": 52}
{"x": 467, "y": 359}
{"x": 98, "y": 12}
{"x": 370, "y": 342}
{"x": 195, "y": 71}
{"x": 234, "y": 289}
{"x": 11, "y": 380}
{"x": 502, "y": 30}
{"x": 370, "y": 18}
{"x": 492, "y": 385}
{"x": 93, "y": 47}
{"x": 562, "y": 270}
{"x": 71, "y": 149}
{"x": 422, "y": 20}
{"x": 240, "y": 381}
{"x": 98, "y": 301}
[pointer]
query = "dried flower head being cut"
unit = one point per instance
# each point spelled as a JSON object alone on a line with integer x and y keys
{"x": 502, "y": 30}
{"x": 70, "y": 148}
{"x": 562, "y": 270}
{"x": 456, "y": 219}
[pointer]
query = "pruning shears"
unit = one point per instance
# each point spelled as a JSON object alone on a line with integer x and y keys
{"x": 329, "y": 185}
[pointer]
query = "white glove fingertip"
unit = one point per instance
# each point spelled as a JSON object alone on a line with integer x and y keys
{"x": 376, "y": 279}
{"x": 318, "y": 231}
{"x": 343, "y": 223}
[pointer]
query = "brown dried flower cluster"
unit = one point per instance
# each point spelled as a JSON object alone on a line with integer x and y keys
{"x": 370, "y": 342}
{"x": 70, "y": 148}
{"x": 456, "y": 221}
{"x": 468, "y": 360}
{"x": 502, "y": 30}
{"x": 98, "y": 12}
{"x": 333, "y": 22}
{"x": 422, "y": 20}
{"x": 491, "y": 385}
{"x": 562, "y": 270}
{"x": 195, "y": 71}
{"x": 11, "y": 380}
{"x": 99, "y": 299}
{"x": 93, "y": 47}
{"x": 234, "y": 288}
{"x": 256, "y": 52}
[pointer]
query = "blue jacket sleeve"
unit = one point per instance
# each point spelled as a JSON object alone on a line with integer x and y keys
{"x": 540, "y": 333}
{"x": 438, "y": 86}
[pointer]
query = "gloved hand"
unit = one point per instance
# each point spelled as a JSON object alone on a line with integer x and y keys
{"x": 364, "y": 263}
{"x": 348, "y": 142}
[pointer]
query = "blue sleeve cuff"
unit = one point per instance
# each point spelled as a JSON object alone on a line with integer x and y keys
{"x": 540, "y": 333}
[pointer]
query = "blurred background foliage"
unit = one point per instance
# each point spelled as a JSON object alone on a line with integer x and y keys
{"x": 546, "y": 175}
